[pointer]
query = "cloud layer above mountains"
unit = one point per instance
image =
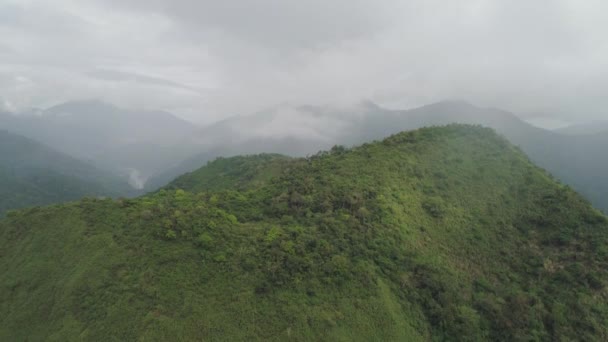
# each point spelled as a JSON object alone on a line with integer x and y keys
{"x": 206, "y": 60}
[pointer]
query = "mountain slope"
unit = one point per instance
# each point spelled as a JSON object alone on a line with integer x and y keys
{"x": 33, "y": 174}
{"x": 546, "y": 149}
{"x": 436, "y": 234}
{"x": 124, "y": 141}
{"x": 582, "y": 164}
{"x": 584, "y": 129}
{"x": 294, "y": 131}
{"x": 288, "y": 146}
{"x": 237, "y": 173}
{"x": 576, "y": 160}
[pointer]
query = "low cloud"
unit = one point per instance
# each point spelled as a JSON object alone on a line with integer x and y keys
{"x": 115, "y": 75}
{"x": 207, "y": 60}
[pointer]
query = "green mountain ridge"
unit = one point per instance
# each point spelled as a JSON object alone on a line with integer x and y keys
{"x": 236, "y": 173}
{"x": 444, "y": 233}
{"x": 577, "y": 160}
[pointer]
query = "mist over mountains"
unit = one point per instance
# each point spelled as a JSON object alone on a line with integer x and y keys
{"x": 134, "y": 144}
{"x": 590, "y": 128}
{"x": 34, "y": 174}
{"x": 270, "y": 170}
{"x": 576, "y": 159}
{"x": 151, "y": 148}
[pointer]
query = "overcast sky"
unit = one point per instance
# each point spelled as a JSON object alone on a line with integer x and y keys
{"x": 209, "y": 59}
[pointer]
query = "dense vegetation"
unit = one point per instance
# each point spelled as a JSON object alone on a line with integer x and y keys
{"x": 33, "y": 174}
{"x": 236, "y": 173}
{"x": 445, "y": 233}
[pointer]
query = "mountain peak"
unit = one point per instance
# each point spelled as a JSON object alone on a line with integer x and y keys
{"x": 93, "y": 106}
{"x": 456, "y": 103}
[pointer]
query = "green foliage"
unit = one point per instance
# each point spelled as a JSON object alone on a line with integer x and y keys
{"x": 171, "y": 235}
{"x": 237, "y": 173}
{"x": 205, "y": 240}
{"x": 445, "y": 233}
{"x": 434, "y": 206}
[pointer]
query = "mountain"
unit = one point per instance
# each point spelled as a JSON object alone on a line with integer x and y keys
{"x": 151, "y": 148}
{"x": 239, "y": 173}
{"x": 436, "y": 234}
{"x": 581, "y": 163}
{"x": 136, "y": 144}
{"x": 585, "y": 129}
{"x": 34, "y": 174}
{"x": 297, "y": 131}
{"x": 286, "y": 145}
{"x": 576, "y": 160}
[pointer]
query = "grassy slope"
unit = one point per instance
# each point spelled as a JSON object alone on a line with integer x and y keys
{"x": 441, "y": 233}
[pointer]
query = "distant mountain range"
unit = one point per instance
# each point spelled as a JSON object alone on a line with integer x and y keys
{"x": 585, "y": 129}
{"x": 136, "y": 144}
{"x": 33, "y": 174}
{"x": 154, "y": 147}
{"x": 576, "y": 160}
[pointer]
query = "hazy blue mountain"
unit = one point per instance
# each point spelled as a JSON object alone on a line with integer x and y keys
{"x": 294, "y": 131}
{"x": 134, "y": 143}
{"x": 153, "y": 147}
{"x": 34, "y": 174}
{"x": 585, "y": 129}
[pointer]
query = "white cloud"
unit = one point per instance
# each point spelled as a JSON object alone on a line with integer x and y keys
{"x": 210, "y": 59}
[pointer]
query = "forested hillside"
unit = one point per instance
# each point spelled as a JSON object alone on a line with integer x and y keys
{"x": 577, "y": 160}
{"x": 444, "y": 233}
{"x": 235, "y": 173}
{"x": 34, "y": 174}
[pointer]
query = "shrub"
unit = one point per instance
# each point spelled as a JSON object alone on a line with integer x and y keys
{"x": 204, "y": 240}
{"x": 434, "y": 206}
{"x": 171, "y": 235}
